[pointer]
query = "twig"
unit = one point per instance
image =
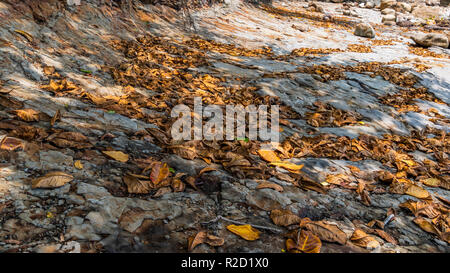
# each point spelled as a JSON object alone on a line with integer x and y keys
{"x": 241, "y": 223}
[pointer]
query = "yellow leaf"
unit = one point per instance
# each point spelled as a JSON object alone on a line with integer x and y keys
{"x": 418, "y": 192}
{"x": 78, "y": 165}
{"x": 245, "y": 231}
{"x": 28, "y": 114}
{"x": 117, "y": 155}
{"x": 288, "y": 166}
{"x": 269, "y": 156}
{"x": 52, "y": 180}
{"x": 431, "y": 182}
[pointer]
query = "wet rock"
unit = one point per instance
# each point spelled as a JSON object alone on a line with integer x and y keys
{"x": 364, "y": 30}
{"x": 431, "y": 39}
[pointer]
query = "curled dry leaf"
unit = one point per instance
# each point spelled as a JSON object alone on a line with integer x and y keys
{"x": 284, "y": 218}
{"x": 265, "y": 184}
{"x": 362, "y": 239}
{"x": 307, "y": 242}
{"x": 268, "y": 155}
{"x": 117, "y": 155}
{"x": 52, "y": 180}
{"x": 27, "y": 114}
{"x": 55, "y": 118}
{"x": 383, "y": 234}
{"x": 426, "y": 225}
{"x": 135, "y": 185}
{"x": 11, "y": 144}
{"x": 206, "y": 169}
{"x": 420, "y": 208}
{"x": 245, "y": 231}
{"x": 204, "y": 237}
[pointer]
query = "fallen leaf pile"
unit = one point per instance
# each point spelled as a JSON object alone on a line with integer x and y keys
{"x": 432, "y": 217}
{"x": 420, "y": 51}
{"x": 325, "y": 115}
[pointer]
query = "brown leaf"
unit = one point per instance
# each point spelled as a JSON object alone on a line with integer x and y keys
{"x": 362, "y": 239}
{"x": 327, "y": 232}
{"x": 420, "y": 208}
{"x": 206, "y": 169}
{"x": 11, "y": 144}
{"x": 162, "y": 191}
{"x": 55, "y": 118}
{"x": 52, "y": 180}
{"x": 426, "y": 225}
{"x": 178, "y": 185}
{"x": 204, "y": 237}
{"x": 284, "y": 218}
{"x": 135, "y": 185}
{"x": 265, "y": 184}
{"x": 388, "y": 238}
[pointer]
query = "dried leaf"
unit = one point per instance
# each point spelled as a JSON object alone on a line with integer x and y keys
{"x": 27, "y": 114}
{"x": 268, "y": 155}
{"x": 52, "y": 180}
{"x": 245, "y": 231}
{"x": 11, "y": 144}
{"x": 160, "y": 171}
{"x": 204, "y": 237}
{"x": 327, "y": 232}
{"x": 307, "y": 242}
{"x": 362, "y": 239}
{"x": 426, "y": 225}
{"x": 265, "y": 184}
{"x": 206, "y": 169}
{"x": 431, "y": 182}
{"x": 135, "y": 185}
{"x": 288, "y": 166}
{"x": 117, "y": 155}
{"x": 162, "y": 191}
{"x": 284, "y": 218}
{"x": 78, "y": 165}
